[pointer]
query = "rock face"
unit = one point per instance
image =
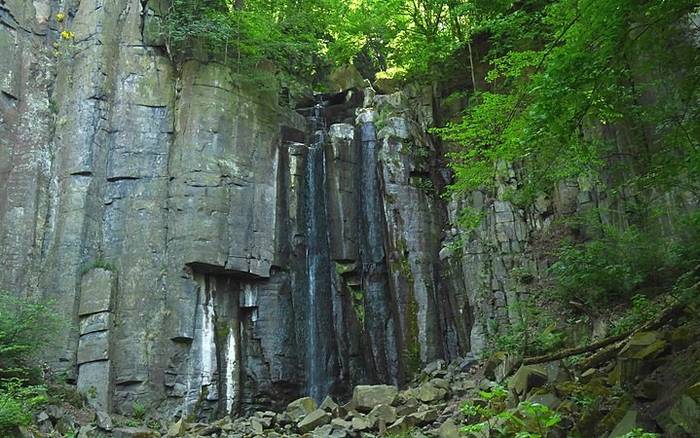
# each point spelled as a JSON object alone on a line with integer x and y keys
{"x": 212, "y": 251}
{"x": 215, "y": 252}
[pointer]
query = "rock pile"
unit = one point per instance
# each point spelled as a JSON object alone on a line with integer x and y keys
{"x": 374, "y": 410}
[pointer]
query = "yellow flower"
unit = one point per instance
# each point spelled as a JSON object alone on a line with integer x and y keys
{"x": 60, "y": 17}
{"x": 67, "y": 35}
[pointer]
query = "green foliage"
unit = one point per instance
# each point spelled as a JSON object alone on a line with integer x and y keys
{"x": 98, "y": 264}
{"x": 489, "y": 415}
{"x": 630, "y": 266}
{"x": 643, "y": 310}
{"x": 535, "y": 333}
{"x": 25, "y": 326}
{"x": 17, "y": 403}
{"x": 609, "y": 269}
{"x": 469, "y": 218}
{"x": 138, "y": 410}
{"x": 569, "y": 75}
{"x": 290, "y": 34}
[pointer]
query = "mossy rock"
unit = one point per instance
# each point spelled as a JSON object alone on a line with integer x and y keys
{"x": 610, "y": 421}
{"x": 626, "y": 425}
{"x": 682, "y": 418}
{"x": 526, "y": 378}
{"x": 643, "y": 346}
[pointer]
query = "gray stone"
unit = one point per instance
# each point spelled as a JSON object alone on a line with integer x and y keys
{"x": 104, "y": 421}
{"x": 423, "y": 417}
{"x": 526, "y": 378}
{"x": 360, "y": 423}
{"x": 429, "y": 393}
{"x": 400, "y": 426}
{"x": 366, "y": 397}
{"x": 96, "y": 290}
{"x": 313, "y": 420}
{"x": 328, "y": 404}
{"x": 448, "y": 429}
{"x": 93, "y": 347}
{"x": 626, "y": 425}
{"x": 177, "y": 429}
{"x": 301, "y": 407}
{"x": 384, "y": 413}
{"x": 96, "y": 385}
{"x": 95, "y": 322}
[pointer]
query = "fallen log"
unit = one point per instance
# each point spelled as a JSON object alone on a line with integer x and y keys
{"x": 665, "y": 316}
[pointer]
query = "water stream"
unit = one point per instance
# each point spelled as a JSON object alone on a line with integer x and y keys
{"x": 319, "y": 327}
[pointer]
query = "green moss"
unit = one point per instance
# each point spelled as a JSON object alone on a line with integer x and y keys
{"x": 358, "y": 304}
{"x": 98, "y": 264}
{"x": 412, "y": 352}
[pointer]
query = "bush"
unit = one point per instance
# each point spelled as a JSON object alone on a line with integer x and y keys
{"x": 536, "y": 333}
{"x": 642, "y": 311}
{"x": 611, "y": 269}
{"x": 25, "y": 327}
{"x": 17, "y": 402}
{"x": 489, "y": 417}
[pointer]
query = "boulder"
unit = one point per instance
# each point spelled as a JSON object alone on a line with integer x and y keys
{"x": 210, "y": 430}
{"x": 366, "y": 397}
{"x": 346, "y": 77}
{"x": 328, "y": 404}
{"x": 315, "y": 419}
{"x": 429, "y": 392}
{"x": 626, "y": 425}
{"x": 468, "y": 362}
{"x": 400, "y": 426}
{"x": 682, "y": 418}
{"x": 434, "y": 366}
{"x": 83, "y": 432}
{"x": 448, "y": 429}
{"x": 526, "y": 378}
{"x": 360, "y": 424}
{"x": 410, "y": 406}
{"x": 300, "y": 408}
{"x": 500, "y": 365}
{"x": 384, "y": 413}
{"x": 387, "y": 85}
{"x": 644, "y": 345}
{"x": 104, "y": 421}
{"x": 256, "y": 425}
{"x": 547, "y": 399}
{"x": 422, "y": 418}
{"x": 340, "y": 423}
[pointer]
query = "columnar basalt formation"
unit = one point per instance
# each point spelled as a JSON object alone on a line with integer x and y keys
{"x": 216, "y": 252}
{"x": 174, "y": 216}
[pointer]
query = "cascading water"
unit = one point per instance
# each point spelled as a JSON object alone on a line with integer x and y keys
{"x": 202, "y": 364}
{"x": 379, "y": 318}
{"x": 319, "y": 330}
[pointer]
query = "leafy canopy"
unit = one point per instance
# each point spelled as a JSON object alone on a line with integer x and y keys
{"x": 577, "y": 84}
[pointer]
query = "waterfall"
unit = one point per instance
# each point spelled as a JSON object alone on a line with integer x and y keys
{"x": 319, "y": 324}
{"x": 379, "y": 321}
{"x": 231, "y": 361}
{"x": 202, "y": 363}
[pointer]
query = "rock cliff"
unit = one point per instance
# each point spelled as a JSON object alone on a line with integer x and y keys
{"x": 212, "y": 250}
{"x": 215, "y": 251}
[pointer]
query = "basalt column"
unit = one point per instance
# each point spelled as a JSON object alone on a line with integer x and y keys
{"x": 320, "y": 357}
{"x": 380, "y": 322}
